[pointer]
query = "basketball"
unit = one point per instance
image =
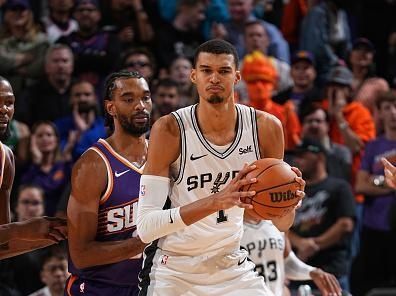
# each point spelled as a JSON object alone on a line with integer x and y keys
{"x": 275, "y": 188}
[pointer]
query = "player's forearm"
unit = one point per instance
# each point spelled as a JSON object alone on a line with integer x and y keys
{"x": 16, "y": 247}
{"x": 101, "y": 253}
{"x": 198, "y": 210}
{"x": 335, "y": 233}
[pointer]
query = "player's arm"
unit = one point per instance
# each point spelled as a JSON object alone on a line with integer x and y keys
{"x": 39, "y": 232}
{"x": 153, "y": 222}
{"x": 5, "y": 189}
{"x": 89, "y": 181}
{"x": 271, "y": 141}
{"x": 297, "y": 270}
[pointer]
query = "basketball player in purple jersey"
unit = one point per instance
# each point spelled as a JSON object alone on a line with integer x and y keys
{"x": 104, "y": 250}
{"x": 20, "y": 237}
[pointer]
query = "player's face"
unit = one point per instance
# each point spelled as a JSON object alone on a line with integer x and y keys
{"x": 131, "y": 105}
{"x": 30, "y": 204}
{"x": 7, "y": 101}
{"x": 215, "y": 76}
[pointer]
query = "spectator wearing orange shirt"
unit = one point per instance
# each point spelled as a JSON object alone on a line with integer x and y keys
{"x": 260, "y": 77}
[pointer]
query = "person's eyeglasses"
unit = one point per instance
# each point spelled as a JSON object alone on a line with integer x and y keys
{"x": 137, "y": 64}
{"x": 31, "y": 202}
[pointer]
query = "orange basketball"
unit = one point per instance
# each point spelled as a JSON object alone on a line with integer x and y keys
{"x": 275, "y": 188}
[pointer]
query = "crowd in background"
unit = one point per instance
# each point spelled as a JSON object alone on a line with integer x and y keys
{"x": 325, "y": 68}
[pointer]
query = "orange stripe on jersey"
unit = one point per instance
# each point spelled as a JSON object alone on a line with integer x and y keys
{"x": 110, "y": 184}
{"x": 120, "y": 158}
{"x": 69, "y": 284}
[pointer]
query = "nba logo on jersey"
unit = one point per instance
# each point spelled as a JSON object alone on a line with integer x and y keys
{"x": 142, "y": 190}
{"x": 164, "y": 259}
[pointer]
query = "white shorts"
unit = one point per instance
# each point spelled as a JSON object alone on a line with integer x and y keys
{"x": 225, "y": 275}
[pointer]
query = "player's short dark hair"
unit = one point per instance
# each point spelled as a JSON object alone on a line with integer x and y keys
{"x": 109, "y": 89}
{"x": 216, "y": 46}
{"x": 388, "y": 96}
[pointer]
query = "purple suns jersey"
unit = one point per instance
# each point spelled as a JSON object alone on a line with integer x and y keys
{"x": 117, "y": 209}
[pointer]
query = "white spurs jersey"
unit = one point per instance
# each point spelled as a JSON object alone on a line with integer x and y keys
{"x": 203, "y": 169}
{"x": 265, "y": 245}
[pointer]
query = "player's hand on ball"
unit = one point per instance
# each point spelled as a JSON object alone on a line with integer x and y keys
{"x": 300, "y": 193}
{"x": 326, "y": 282}
{"x": 230, "y": 196}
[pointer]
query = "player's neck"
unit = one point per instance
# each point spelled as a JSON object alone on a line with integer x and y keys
{"x": 216, "y": 117}
{"x": 131, "y": 147}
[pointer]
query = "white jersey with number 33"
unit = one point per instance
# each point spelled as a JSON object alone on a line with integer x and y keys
{"x": 265, "y": 245}
{"x": 203, "y": 169}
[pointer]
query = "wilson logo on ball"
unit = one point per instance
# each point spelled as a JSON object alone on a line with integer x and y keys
{"x": 282, "y": 196}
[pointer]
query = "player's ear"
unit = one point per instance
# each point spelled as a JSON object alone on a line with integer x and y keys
{"x": 193, "y": 76}
{"x": 109, "y": 107}
{"x": 238, "y": 77}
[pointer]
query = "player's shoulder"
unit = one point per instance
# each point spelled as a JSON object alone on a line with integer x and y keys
{"x": 267, "y": 121}
{"x": 165, "y": 126}
{"x": 90, "y": 161}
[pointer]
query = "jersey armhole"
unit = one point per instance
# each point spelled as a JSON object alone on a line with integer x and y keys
{"x": 183, "y": 148}
{"x": 253, "y": 118}
{"x": 109, "y": 187}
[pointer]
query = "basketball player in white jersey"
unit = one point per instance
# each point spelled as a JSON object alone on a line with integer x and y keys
{"x": 19, "y": 237}
{"x": 194, "y": 157}
{"x": 270, "y": 251}
{"x": 390, "y": 173}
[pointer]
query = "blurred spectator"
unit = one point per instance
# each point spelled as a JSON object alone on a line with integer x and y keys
{"x": 351, "y": 123}
{"x": 316, "y": 125}
{"x": 378, "y": 242}
{"x": 260, "y": 77}
{"x": 166, "y": 98}
{"x": 53, "y": 272}
{"x": 23, "y": 272}
{"x": 179, "y": 71}
{"x": 256, "y": 38}
{"x": 303, "y": 90}
{"x": 390, "y": 73}
{"x": 216, "y": 12}
{"x": 323, "y": 224}
{"x": 361, "y": 61}
{"x": 181, "y": 36}
{"x": 140, "y": 60}
{"x": 325, "y": 32}
{"x": 84, "y": 127}
{"x": 241, "y": 12}
{"x": 18, "y": 141}
{"x": 23, "y": 46}
{"x": 48, "y": 100}
{"x": 129, "y": 20}
{"x": 95, "y": 51}
{"x": 368, "y": 94}
{"x": 59, "y": 22}
{"x": 47, "y": 169}
{"x": 294, "y": 12}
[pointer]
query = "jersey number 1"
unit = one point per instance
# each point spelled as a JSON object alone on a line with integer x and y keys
{"x": 221, "y": 217}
